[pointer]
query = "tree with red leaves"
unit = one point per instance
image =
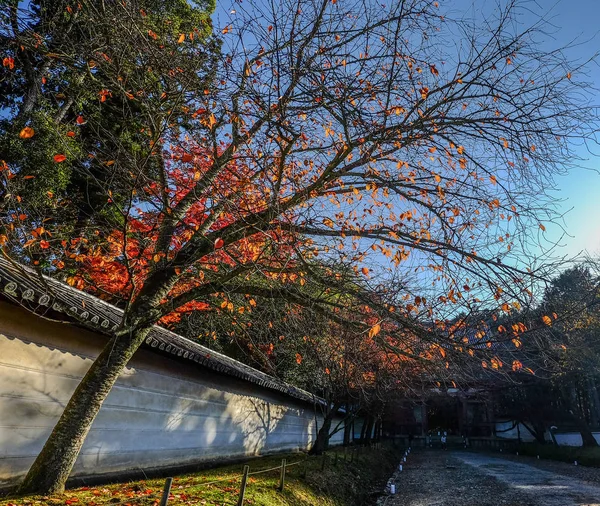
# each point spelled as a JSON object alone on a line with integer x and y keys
{"x": 333, "y": 130}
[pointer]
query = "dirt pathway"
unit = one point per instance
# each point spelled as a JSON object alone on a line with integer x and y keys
{"x": 437, "y": 478}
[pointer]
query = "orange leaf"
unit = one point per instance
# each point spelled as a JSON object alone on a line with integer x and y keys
{"x": 547, "y": 320}
{"x": 59, "y": 158}
{"x": 298, "y": 358}
{"x": 181, "y": 38}
{"x": 542, "y": 227}
{"x": 27, "y": 133}
{"x": 365, "y": 271}
{"x": 374, "y": 330}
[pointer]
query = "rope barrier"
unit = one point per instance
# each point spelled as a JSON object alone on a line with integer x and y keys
{"x": 265, "y": 470}
{"x": 234, "y": 477}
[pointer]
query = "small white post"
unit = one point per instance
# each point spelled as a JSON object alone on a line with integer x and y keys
{"x": 400, "y": 468}
{"x": 392, "y": 489}
{"x": 575, "y": 462}
{"x": 538, "y": 457}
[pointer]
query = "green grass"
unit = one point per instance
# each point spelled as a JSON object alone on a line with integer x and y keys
{"x": 345, "y": 484}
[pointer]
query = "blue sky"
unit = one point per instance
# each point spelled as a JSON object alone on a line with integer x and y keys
{"x": 580, "y": 190}
{"x": 570, "y": 22}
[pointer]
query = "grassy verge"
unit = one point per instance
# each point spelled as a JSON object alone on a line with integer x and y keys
{"x": 339, "y": 482}
{"x": 583, "y": 456}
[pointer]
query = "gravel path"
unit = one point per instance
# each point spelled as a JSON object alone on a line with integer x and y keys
{"x": 437, "y": 478}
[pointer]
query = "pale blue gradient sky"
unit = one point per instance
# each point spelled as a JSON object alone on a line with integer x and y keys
{"x": 570, "y": 22}
{"x": 578, "y": 20}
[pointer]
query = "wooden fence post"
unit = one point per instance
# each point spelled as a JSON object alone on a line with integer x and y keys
{"x": 282, "y": 475}
{"x": 166, "y": 491}
{"x": 243, "y": 486}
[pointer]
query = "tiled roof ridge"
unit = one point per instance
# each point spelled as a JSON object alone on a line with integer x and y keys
{"x": 24, "y": 286}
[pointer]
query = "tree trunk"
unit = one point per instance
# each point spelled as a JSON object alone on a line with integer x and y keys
{"x": 322, "y": 441}
{"x": 347, "y": 428}
{"x": 595, "y": 402}
{"x": 363, "y": 431}
{"x": 377, "y": 432}
{"x": 537, "y": 430}
{"x": 587, "y": 437}
{"x": 368, "y": 431}
{"x": 52, "y": 467}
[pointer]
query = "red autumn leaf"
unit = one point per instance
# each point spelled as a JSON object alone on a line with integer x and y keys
{"x": 27, "y": 133}
{"x": 44, "y": 244}
{"x": 80, "y": 120}
{"x": 219, "y": 243}
{"x": 59, "y": 158}
{"x": 71, "y": 134}
{"x": 187, "y": 157}
{"x": 9, "y": 62}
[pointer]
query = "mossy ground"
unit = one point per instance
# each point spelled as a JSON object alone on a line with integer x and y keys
{"x": 340, "y": 482}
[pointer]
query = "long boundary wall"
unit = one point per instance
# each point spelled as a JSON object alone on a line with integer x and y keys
{"x": 161, "y": 413}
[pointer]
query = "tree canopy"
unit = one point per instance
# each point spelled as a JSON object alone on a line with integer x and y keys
{"x": 170, "y": 170}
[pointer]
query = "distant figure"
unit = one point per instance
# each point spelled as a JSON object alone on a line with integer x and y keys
{"x": 444, "y": 440}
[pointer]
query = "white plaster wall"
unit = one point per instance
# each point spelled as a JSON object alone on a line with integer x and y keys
{"x": 562, "y": 438}
{"x": 573, "y": 438}
{"x": 513, "y": 433}
{"x": 160, "y": 413}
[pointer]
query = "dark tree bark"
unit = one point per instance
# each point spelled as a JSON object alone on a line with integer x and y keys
{"x": 347, "y": 429}
{"x": 368, "y": 431}
{"x": 322, "y": 441}
{"x": 363, "y": 431}
{"x": 52, "y": 467}
{"x": 537, "y": 430}
{"x": 377, "y": 432}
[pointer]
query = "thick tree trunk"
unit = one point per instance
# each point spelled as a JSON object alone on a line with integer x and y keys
{"x": 322, "y": 441}
{"x": 587, "y": 437}
{"x": 52, "y": 467}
